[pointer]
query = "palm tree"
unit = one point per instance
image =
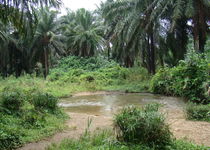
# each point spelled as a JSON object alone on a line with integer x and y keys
{"x": 18, "y": 12}
{"x": 196, "y": 11}
{"x": 83, "y": 33}
{"x": 47, "y": 39}
{"x": 18, "y": 22}
{"x": 132, "y": 25}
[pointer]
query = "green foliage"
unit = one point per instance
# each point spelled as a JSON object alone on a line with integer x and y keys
{"x": 33, "y": 119}
{"x": 22, "y": 122}
{"x": 143, "y": 126}
{"x": 187, "y": 79}
{"x": 99, "y": 140}
{"x": 12, "y": 99}
{"x": 96, "y": 73}
{"x": 198, "y": 112}
{"x": 44, "y": 101}
{"x": 83, "y": 32}
{"x": 104, "y": 140}
{"x": 89, "y": 64}
{"x": 10, "y": 138}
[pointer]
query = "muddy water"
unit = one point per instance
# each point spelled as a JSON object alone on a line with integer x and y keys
{"x": 111, "y": 103}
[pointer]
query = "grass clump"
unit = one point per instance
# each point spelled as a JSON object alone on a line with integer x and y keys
{"x": 21, "y": 120}
{"x": 143, "y": 126}
{"x": 11, "y": 100}
{"x": 100, "y": 140}
{"x": 105, "y": 140}
{"x": 198, "y": 112}
{"x": 44, "y": 101}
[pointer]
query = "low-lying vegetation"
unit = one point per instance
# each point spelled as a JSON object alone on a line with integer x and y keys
{"x": 76, "y": 74}
{"x": 24, "y": 120}
{"x": 143, "y": 126}
{"x": 198, "y": 112}
{"x": 138, "y": 129}
{"x": 187, "y": 80}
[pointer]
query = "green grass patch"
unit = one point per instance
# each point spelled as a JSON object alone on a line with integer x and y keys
{"x": 22, "y": 122}
{"x": 198, "y": 112}
{"x": 63, "y": 82}
{"x": 105, "y": 140}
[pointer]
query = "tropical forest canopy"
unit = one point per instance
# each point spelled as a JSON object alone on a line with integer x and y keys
{"x": 151, "y": 34}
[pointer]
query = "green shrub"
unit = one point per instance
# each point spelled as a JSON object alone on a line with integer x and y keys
{"x": 90, "y": 64}
{"x": 33, "y": 118}
{"x": 9, "y": 138}
{"x": 142, "y": 126}
{"x": 12, "y": 99}
{"x": 198, "y": 112}
{"x": 44, "y": 101}
{"x": 187, "y": 79}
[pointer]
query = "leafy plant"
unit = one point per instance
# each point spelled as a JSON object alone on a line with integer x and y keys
{"x": 10, "y": 138}
{"x": 142, "y": 126}
{"x": 187, "y": 79}
{"x": 198, "y": 112}
{"x": 33, "y": 118}
{"x": 12, "y": 99}
{"x": 44, "y": 101}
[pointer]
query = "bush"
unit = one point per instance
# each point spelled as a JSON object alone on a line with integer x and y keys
{"x": 142, "y": 126}
{"x": 198, "y": 112}
{"x": 12, "y": 99}
{"x": 187, "y": 79}
{"x": 33, "y": 118}
{"x": 9, "y": 138}
{"x": 89, "y": 64}
{"x": 44, "y": 101}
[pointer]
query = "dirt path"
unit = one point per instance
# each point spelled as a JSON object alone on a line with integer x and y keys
{"x": 194, "y": 131}
{"x": 77, "y": 126}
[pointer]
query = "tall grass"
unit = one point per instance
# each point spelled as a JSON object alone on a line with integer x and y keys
{"x": 21, "y": 121}
{"x": 143, "y": 126}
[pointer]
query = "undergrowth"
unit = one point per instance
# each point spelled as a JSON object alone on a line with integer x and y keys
{"x": 189, "y": 79}
{"x": 21, "y": 122}
{"x": 198, "y": 112}
{"x": 75, "y": 74}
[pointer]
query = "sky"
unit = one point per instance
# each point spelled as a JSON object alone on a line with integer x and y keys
{"x": 75, "y": 4}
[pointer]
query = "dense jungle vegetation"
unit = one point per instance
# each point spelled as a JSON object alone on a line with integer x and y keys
{"x": 160, "y": 46}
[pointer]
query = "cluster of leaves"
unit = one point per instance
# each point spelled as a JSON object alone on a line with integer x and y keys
{"x": 143, "y": 126}
{"x": 187, "y": 80}
{"x": 44, "y": 101}
{"x": 98, "y": 73}
{"x": 105, "y": 140}
{"x": 198, "y": 112}
{"x": 89, "y": 64}
{"x": 22, "y": 113}
{"x": 12, "y": 100}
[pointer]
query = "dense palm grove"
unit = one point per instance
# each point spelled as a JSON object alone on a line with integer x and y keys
{"x": 157, "y": 46}
{"x": 152, "y": 33}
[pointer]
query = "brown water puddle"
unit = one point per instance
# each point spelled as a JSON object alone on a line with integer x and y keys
{"x": 101, "y": 106}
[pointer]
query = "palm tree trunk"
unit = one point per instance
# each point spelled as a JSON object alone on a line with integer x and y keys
{"x": 46, "y": 70}
{"x": 108, "y": 49}
{"x": 200, "y": 27}
{"x": 152, "y": 52}
{"x": 148, "y": 55}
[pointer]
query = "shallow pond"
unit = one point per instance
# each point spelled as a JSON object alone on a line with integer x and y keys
{"x": 108, "y": 104}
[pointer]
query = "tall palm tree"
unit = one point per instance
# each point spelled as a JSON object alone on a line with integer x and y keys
{"x": 131, "y": 28}
{"x": 83, "y": 33}
{"x": 196, "y": 11}
{"x": 17, "y": 32}
{"x": 47, "y": 39}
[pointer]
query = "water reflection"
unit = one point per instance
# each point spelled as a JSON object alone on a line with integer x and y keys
{"x": 109, "y": 104}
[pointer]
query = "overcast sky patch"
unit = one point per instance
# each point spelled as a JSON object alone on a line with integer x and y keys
{"x": 76, "y": 4}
